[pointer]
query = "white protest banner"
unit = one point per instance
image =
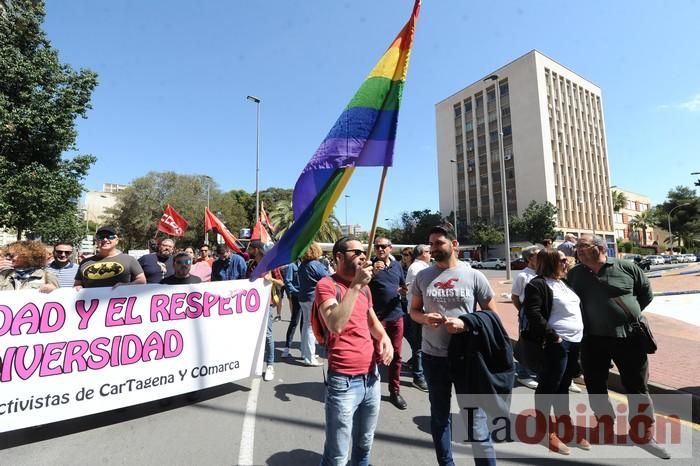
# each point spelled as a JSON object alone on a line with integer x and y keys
{"x": 73, "y": 353}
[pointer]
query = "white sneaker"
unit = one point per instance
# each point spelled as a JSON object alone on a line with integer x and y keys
{"x": 574, "y": 388}
{"x": 285, "y": 353}
{"x": 528, "y": 382}
{"x": 269, "y": 373}
{"x": 313, "y": 363}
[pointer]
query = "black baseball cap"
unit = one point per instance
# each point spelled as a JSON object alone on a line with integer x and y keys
{"x": 108, "y": 229}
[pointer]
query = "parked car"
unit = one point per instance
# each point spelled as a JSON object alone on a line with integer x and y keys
{"x": 492, "y": 263}
{"x": 670, "y": 259}
{"x": 655, "y": 260}
{"x": 518, "y": 264}
{"x": 690, "y": 258}
{"x": 681, "y": 258}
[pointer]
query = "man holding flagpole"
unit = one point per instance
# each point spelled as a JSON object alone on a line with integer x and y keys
{"x": 353, "y": 387}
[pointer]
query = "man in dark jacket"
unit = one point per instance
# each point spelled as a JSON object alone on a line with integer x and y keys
{"x": 387, "y": 283}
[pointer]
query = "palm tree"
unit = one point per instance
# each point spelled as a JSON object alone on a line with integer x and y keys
{"x": 642, "y": 221}
{"x": 282, "y": 216}
{"x": 619, "y": 200}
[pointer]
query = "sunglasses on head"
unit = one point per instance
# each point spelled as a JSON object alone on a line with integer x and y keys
{"x": 104, "y": 237}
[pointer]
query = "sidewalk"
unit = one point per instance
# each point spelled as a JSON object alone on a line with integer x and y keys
{"x": 676, "y": 365}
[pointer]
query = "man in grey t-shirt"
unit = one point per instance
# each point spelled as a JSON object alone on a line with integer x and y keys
{"x": 440, "y": 294}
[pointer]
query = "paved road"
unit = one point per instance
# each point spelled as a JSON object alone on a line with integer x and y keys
{"x": 288, "y": 430}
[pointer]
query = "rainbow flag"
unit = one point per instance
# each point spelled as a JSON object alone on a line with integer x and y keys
{"x": 363, "y": 135}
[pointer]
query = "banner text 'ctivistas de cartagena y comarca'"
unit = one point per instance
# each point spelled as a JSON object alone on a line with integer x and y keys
{"x": 73, "y": 353}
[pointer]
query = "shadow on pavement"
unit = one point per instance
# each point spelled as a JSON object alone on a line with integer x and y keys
{"x": 423, "y": 423}
{"x": 311, "y": 390}
{"x": 80, "y": 424}
{"x": 285, "y": 458}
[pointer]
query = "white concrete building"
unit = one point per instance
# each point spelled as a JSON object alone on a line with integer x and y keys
{"x": 554, "y": 147}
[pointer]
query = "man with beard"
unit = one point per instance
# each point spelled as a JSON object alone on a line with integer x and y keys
{"x": 353, "y": 387}
{"x": 440, "y": 294}
{"x": 109, "y": 267}
{"x": 159, "y": 265}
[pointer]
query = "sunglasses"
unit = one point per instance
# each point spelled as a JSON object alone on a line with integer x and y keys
{"x": 63, "y": 253}
{"x": 355, "y": 252}
{"x": 104, "y": 237}
{"x": 184, "y": 262}
{"x": 382, "y": 246}
{"x": 406, "y": 254}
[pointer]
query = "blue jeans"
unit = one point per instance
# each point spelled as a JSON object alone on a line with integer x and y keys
{"x": 440, "y": 396}
{"x": 558, "y": 368}
{"x": 308, "y": 341}
{"x": 269, "y": 341}
{"x": 352, "y": 409}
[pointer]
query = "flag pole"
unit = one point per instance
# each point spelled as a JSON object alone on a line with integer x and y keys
{"x": 380, "y": 194}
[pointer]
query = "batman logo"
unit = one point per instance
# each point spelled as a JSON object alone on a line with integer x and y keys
{"x": 103, "y": 270}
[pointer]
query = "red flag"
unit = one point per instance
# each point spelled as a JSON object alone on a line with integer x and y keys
{"x": 260, "y": 233}
{"x": 265, "y": 219}
{"x": 172, "y": 223}
{"x": 211, "y": 222}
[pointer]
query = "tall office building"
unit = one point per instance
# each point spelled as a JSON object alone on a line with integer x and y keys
{"x": 554, "y": 147}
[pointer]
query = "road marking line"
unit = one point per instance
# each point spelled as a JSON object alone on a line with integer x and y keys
{"x": 247, "y": 445}
{"x": 623, "y": 399}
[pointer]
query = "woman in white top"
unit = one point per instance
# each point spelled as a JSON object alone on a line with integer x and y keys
{"x": 553, "y": 312}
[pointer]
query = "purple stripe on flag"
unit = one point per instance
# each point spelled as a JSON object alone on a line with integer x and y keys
{"x": 333, "y": 154}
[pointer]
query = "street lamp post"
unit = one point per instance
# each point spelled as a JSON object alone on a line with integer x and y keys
{"x": 670, "y": 235}
{"x": 502, "y": 159}
{"x": 454, "y": 199}
{"x": 256, "y": 100}
{"x": 347, "y": 225}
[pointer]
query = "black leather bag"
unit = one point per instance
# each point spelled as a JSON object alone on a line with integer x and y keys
{"x": 641, "y": 331}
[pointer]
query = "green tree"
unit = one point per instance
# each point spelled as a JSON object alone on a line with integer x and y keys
{"x": 40, "y": 98}
{"x": 140, "y": 206}
{"x": 282, "y": 216}
{"x": 643, "y": 221}
{"x": 619, "y": 200}
{"x": 536, "y": 223}
{"x": 413, "y": 227}
{"x": 684, "y": 206}
{"x": 486, "y": 234}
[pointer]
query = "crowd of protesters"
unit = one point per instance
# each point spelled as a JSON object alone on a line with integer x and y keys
{"x": 572, "y": 302}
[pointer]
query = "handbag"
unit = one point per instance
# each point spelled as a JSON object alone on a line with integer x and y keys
{"x": 640, "y": 329}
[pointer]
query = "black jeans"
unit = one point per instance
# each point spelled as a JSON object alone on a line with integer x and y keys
{"x": 558, "y": 368}
{"x": 631, "y": 361}
{"x": 294, "y": 321}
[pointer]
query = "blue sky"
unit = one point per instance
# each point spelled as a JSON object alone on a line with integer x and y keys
{"x": 174, "y": 76}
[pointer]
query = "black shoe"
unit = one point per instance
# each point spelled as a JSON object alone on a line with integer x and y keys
{"x": 420, "y": 384}
{"x": 655, "y": 449}
{"x": 397, "y": 400}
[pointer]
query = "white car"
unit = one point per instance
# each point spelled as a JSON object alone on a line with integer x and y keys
{"x": 656, "y": 260}
{"x": 689, "y": 258}
{"x": 493, "y": 263}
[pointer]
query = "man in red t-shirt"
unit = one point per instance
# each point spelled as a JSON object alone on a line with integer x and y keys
{"x": 352, "y": 388}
